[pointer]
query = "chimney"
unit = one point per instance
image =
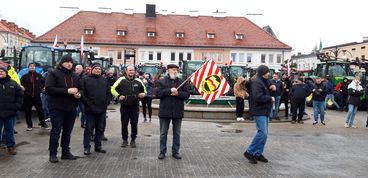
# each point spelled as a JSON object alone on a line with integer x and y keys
{"x": 365, "y": 38}
{"x": 150, "y": 10}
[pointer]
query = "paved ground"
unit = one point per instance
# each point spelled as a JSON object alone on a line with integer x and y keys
{"x": 208, "y": 150}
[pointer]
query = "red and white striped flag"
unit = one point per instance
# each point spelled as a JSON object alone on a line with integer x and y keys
{"x": 230, "y": 61}
{"x": 209, "y": 81}
{"x": 55, "y": 42}
{"x": 82, "y": 47}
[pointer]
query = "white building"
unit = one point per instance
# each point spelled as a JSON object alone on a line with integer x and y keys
{"x": 305, "y": 61}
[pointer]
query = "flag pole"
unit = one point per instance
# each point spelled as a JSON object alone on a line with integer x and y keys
{"x": 185, "y": 81}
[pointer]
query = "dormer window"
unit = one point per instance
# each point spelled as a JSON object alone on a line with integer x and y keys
{"x": 210, "y": 35}
{"x": 88, "y": 31}
{"x": 179, "y": 35}
{"x": 151, "y": 34}
{"x": 239, "y": 36}
{"x": 121, "y": 33}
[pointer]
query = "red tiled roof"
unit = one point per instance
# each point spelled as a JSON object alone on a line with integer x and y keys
{"x": 11, "y": 27}
{"x": 165, "y": 26}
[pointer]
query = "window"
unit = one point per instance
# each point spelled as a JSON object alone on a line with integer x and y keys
{"x": 239, "y": 36}
{"x": 181, "y": 56}
{"x": 233, "y": 57}
{"x": 159, "y": 56}
{"x": 363, "y": 47}
{"x": 212, "y": 55}
{"x": 95, "y": 52}
{"x": 179, "y": 35}
{"x": 189, "y": 56}
{"x": 263, "y": 58}
{"x": 120, "y": 33}
{"x": 210, "y": 35}
{"x": 119, "y": 54}
{"x": 88, "y": 31}
{"x": 172, "y": 56}
{"x": 353, "y": 49}
{"x": 111, "y": 54}
{"x": 270, "y": 58}
{"x": 219, "y": 57}
{"x": 204, "y": 56}
{"x": 249, "y": 58}
{"x": 241, "y": 58}
{"x": 150, "y": 55}
{"x": 278, "y": 59}
{"x": 151, "y": 34}
{"x": 142, "y": 56}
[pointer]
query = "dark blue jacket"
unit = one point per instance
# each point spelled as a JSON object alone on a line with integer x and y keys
{"x": 279, "y": 87}
{"x": 260, "y": 97}
{"x": 11, "y": 97}
{"x": 299, "y": 92}
{"x": 95, "y": 91}
{"x": 319, "y": 92}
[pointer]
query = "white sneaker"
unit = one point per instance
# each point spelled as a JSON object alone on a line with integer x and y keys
{"x": 238, "y": 118}
{"x": 48, "y": 120}
{"x": 242, "y": 119}
{"x": 354, "y": 126}
{"x": 347, "y": 125}
{"x": 29, "y": 129}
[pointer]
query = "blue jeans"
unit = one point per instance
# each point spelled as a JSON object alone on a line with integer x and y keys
{"x": 331, "y": 96}
{"x": 80, "y": 109}
{"x": 318, "y": 108}
{"x": 94, "y": 121}
{"x": 8, "y": 131}
{"x": 45, "y": 105}
{"x": 61, "y": 120}
{"x": 351, "y": 114}
{"x": 164, "y": 127}
{"x": 275, "y": 107}
{"x": 259, "y": 141}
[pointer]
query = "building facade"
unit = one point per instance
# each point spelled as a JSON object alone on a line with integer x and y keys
{"x": 305, "y": 61}
{"x": 349, "y": 51}
{"x": 169, "y": 39}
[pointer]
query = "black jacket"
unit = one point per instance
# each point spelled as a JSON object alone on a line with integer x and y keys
{"x": 95, "y": 91}
{"x": 299, "y": 92}
{"x": 287, "y": 85}
{"x": 354, "y": 96}
{"x": 57, "y": 84}
{"x": 11, "y": 98}
{"x": 279, "y": 87}
{"x": 171, "y": 107}
{"x": 111, "y": 80}
{"x": 33, "y": 83}
{"x": 130, "y": 89}
{"x": 319, "y": 92}
{"x": 261, "y": 101}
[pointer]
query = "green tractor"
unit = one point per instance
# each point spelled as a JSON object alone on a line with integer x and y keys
{"x": 155, "y": 69}
{"x": 189, "y": 67}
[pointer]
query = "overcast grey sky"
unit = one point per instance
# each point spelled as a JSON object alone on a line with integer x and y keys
{"x": 299, "y": 23}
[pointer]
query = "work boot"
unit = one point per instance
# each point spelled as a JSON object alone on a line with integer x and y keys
{"x": 68, "y": 156}
{"x": 11, "y": 151}
{"x": 103, "y": 138}
{"x": 250, "y": 158}
{"x": 124, "y": 144}
{"x": 87, "y": 151}
{"x": 176, "y": 156}
{"x": 100, "y": 150}
{"x": 261, "y": 158}
{"x": 53, "y": 159}
{"x": 132, "y": 144}
{"x": 161, "y": 156}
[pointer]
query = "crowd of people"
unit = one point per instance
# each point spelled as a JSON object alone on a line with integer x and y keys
{"x": 63, "y": 93}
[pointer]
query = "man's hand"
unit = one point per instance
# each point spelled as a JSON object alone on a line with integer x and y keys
{"x": 77, "y": 95}
{"x": 72, "y": 91}
{"x": 121, "y": 98}
{"x": 22, "y": 87}
{"x": 141, "y": 95}
{"x": 273, "y": 99}
{"x": 273, "y": 87}
{"x": 174, "y": 92}
{"x": 319, "y": 89}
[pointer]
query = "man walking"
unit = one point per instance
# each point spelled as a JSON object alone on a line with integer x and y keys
{"x": 95, "y": 91}
{"x": 11, "y": 99}
{"x": 129, "y": 90}
{"x": 260, "y": 110}
{"x": 33, "y": 83}
{"x": 171, "y": 109}
{"x": 62, "y": 88}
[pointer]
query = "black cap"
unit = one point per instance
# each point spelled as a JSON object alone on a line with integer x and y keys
{"x": 66, "y": 58}
{"x": 95, "y": 65}
{"x": 172, "y": 66}
{"x": 262, "y": 69}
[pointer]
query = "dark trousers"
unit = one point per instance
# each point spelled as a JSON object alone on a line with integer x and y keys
{"x": 298, "y": 107}
{"x": 96, "y": 122}
{"x": 8, "y": 135}
{"x": 129, "y": 114}
{"x": 285, "y": 100}
{"x": 30, "y": 101}
{"x": 147, "y": 104}
{"x": 343, "y": 101}
{"x": 61, "y": 120}
{"x": 164, "y": 127}
{"x": 239, "y": 106}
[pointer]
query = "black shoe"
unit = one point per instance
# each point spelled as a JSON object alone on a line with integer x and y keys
{"x": 300, "y": 122}
{"x": 315, "y": 123}
{"x": 87, "y": 151}
{"x": 53, "y": 159}
{"x": 132, "y": 144}
{"x": 293, "y": 122}
{"x": 250, "y": 158}
{"x": 161, "y": 156}
{"x": 124, "y": 144}
{"x": 176, "y": 156}
{"x": 104, "y": 138}
{"x": 261, "y": 158}
{"x": 100, "y": 150}
{"x": 15, "y": 132}
{"x": 68, "y": 156}
{"x": 323, "y": 123}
